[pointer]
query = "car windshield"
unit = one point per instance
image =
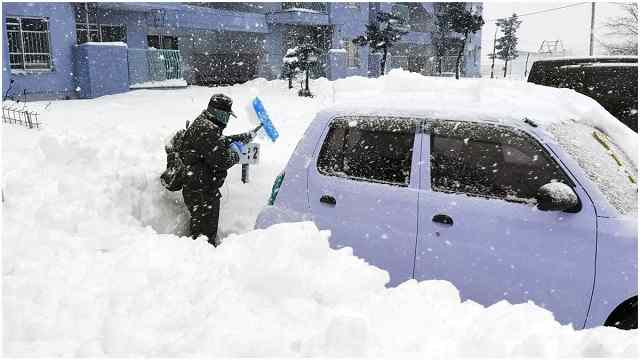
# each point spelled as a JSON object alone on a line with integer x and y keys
{"x": 603, "y": 161}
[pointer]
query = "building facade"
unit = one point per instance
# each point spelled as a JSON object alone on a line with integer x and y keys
{"x": 84, "y": 50}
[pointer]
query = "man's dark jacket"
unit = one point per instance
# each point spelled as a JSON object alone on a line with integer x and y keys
{"x": 206, "y": 155}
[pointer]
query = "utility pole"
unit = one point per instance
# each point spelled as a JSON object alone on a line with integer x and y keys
{"x": 526, "y": 65}
{"x": 593, "y": 16}
{"x": 493, "y": 60}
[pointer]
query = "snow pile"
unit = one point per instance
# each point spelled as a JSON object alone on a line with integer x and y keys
{"x": 94, "y": 264}
{"x": 275, "y": 292}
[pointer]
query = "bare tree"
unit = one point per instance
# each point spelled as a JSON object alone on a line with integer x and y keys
{"x": 623, "y": 31}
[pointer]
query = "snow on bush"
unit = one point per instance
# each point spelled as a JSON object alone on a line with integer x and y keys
{"x": 94, "y": 263}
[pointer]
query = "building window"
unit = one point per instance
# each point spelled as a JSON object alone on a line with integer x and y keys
{"x": 28, "y": 39}
{"x": 162, "y": 42}
{"x": 88, "y": 29}
{"x": 353, "y": 60}
{"x": 86, "y": 23}
{"x": 113, "y": 33}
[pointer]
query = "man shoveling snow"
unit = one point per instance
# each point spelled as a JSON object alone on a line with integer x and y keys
{"x": 202, "y": 157}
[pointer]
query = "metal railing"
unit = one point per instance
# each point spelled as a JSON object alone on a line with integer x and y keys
{"x": 20, "y": 116}
{"x": 153, "y": 65}
{"x": 164, "y": 64}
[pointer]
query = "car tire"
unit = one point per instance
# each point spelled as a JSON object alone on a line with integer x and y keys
{"x": 625, "y": 316}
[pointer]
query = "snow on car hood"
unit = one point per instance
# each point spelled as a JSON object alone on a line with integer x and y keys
{"x": 94, "y": 264}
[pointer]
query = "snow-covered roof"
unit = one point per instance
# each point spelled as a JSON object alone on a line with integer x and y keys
{"x": 301, "y": 10}
{"x": 112, "y": 43}
{"x": 402, "y": 93}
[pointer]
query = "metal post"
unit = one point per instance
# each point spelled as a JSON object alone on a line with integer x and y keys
{"x": 24, "y": 59}
{"x": 493, "y": 60}
{"x": 593, "y": 16}
{"x": 526, "y": 64}
{"x": 245, "y": 173}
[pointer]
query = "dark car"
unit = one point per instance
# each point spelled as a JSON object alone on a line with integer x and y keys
{"x": 611, "y": 81}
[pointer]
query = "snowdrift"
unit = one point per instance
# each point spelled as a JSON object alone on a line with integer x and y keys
{"x": 95, "y": 264}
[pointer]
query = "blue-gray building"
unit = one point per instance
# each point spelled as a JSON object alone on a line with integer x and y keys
{"x": 85, "y": 50}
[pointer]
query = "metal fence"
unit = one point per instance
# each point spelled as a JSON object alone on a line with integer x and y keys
{"x": 21, "y": 116}
{"x": 154, "y": 65}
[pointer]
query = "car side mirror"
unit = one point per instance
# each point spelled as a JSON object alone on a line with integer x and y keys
{"x": 557, "y": 196}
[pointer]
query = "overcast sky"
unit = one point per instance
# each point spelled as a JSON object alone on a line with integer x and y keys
{"x": 570, "y": 25}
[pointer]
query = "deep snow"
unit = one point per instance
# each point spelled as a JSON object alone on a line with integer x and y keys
{"x": 93, "y": 264}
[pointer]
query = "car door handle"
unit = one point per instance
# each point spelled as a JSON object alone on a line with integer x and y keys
{"x": 328, "y": 199}
{"x": 442, "y": 219}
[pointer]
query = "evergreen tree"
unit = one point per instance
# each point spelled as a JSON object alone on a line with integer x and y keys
{"x": 305, "y": 58}
{"x": 441, "y": 39}
{"x": 382, "y": 34}
{"x": 507, "y": 43}
{"x": 463, "y": 21}
{"x": 291, "y": 65}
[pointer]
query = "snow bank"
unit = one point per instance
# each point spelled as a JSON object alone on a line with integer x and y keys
{"x": 94, "y": 264}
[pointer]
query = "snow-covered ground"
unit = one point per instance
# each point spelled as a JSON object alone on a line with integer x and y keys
{"x": 94, "y": 264}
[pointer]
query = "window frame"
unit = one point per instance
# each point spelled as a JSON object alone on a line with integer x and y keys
{"x": 23, "y": 54}
{"x": 547, "y": 153}
{"x": 414, "y": 122}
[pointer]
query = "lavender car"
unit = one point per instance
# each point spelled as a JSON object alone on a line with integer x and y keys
{"x": 503, "y": 209}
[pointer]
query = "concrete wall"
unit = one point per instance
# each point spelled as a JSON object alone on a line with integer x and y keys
{"x": 37, "y": 84}
{"x": 349, "y": 22}
{"x": 101, "y": 69}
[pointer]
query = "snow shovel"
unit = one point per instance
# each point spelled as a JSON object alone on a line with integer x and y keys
{"x": 265, "y": 124}
{"x": 263, "y": 118}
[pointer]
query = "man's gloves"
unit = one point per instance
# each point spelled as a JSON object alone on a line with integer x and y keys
{"x": 237, "y": 146}
{"x": 254, "y": 132}
{"x": 245, "y": 138}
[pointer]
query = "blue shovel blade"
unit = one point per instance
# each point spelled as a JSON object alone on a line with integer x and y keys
{"x": 264, "y": 119}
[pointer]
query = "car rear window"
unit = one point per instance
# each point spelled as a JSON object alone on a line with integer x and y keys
{"x": 603, "y": 162}
{"x": 374, "y": 150}
{"x": 612, "y": 84}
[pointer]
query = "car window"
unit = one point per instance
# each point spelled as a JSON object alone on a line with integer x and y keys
{"x": 490, "y": 161}
{"x": 606, "y": 165}
{"x": 374, "y": 150}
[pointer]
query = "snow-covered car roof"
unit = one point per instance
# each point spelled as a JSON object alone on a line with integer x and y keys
{"x": 408, "y": 94}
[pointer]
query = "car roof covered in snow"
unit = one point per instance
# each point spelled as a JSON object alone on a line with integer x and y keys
{"x": 505, "y": 102}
